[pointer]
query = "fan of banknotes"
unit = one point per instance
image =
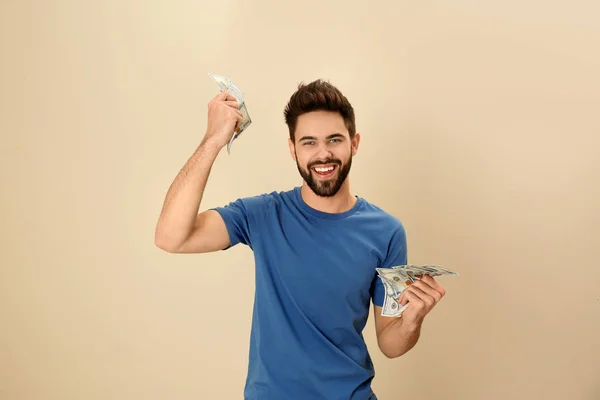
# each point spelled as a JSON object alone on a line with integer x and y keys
{"x": 396, "y": 279}
{"x": 226, "y": 85}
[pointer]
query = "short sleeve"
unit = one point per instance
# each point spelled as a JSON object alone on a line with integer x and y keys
{"x": 240, "y": 218}
{"x": 396, "y": 255}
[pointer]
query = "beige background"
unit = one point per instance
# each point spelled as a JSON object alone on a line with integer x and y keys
{"x": 480, "y": 131}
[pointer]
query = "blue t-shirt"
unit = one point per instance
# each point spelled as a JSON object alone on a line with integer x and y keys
{"x": 315, "y": 278}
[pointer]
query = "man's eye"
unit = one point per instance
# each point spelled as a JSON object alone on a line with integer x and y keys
{"x": 307, "y": 143}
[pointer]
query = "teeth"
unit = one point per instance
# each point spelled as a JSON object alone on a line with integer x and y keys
{"x": 324, "y": 169}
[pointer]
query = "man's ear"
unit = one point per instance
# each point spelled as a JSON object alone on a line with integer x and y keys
{"x": 292, "y": 149}
{"x": 355, "y": 142}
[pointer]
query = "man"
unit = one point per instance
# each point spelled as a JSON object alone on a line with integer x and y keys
{"x": 316, "y": 248}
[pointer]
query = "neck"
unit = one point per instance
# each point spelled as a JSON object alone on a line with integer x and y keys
{"x": 341, "y": 202}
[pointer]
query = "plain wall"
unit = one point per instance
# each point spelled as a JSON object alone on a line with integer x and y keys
{"x": 480, "y": 131}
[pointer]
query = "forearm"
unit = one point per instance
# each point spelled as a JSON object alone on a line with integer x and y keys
{"x": 399, "y": 337}
{"x": 183, "y": 199}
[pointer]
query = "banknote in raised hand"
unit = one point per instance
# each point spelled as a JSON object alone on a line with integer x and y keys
{"x": 226, "y": 85}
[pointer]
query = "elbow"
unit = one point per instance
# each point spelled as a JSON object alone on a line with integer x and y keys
{"x": 395, "y": 350}
{"x": 390, "y": 354}
{"x": 165, "y": 244}
{"x": 168, "y": 249}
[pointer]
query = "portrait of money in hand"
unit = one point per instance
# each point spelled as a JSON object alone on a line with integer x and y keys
{"x": 226, "y": 85}
{"x": 396, "y": 279}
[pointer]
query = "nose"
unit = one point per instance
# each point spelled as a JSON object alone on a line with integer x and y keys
{"x": 324, "y": 152}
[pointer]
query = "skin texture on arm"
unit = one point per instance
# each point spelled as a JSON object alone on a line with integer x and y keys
{"x": 208, "y": 234}
{"x": 180, "y": 229}
{"x": 397, "y": 335}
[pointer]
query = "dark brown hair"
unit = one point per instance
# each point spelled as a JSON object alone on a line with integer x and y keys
{"x": 318, "y": 95}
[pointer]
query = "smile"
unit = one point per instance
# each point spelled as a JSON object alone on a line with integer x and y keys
{"x": 324, "y": 170}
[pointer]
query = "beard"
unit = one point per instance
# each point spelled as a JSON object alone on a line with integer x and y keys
{"x": 330, "y": 187}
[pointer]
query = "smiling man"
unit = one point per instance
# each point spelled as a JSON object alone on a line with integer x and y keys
{"x": 316, "y": 247}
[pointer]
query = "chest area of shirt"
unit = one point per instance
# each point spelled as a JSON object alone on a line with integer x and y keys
{"x": 319, "y": 265}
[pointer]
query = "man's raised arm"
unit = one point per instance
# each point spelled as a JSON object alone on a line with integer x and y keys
{"x": 180, "y": 228}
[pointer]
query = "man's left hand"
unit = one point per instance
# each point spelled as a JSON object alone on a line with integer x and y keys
{"x": 422, "y": 296}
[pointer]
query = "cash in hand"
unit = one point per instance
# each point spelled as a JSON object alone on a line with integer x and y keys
{"x": 226, "y": 85}
{"x": 396, "y": 279}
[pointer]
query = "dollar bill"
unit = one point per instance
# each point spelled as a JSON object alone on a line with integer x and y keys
{"x": 418, "y": 271}
{"x": 396, "y": 279}
{"x": 394, "y": 282}
{"x": 392, "y": 306}
{"x": 226, "y": 85}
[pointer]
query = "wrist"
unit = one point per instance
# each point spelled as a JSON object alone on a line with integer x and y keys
{"x": 210, "y": 146}
{"x": 411, "y": 325}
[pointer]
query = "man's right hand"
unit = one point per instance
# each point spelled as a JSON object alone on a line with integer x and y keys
{"x": 223, "y": 118}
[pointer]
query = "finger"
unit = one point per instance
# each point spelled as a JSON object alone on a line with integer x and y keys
{"x": 229, "y": 97}
{"x": 221, "y": 96}
{"x": 234, "y": 113}
{"x": 402, "y": 299}
{"x": 232, "y": 104}
{"x": 431, "y": 282}
{"x": 423, "y": 286}
{"x": 407, "y": 283}
{"x": 225, "y": 96}
{"x": 413, "y": 299}
{"x": 425, "y": 283}
{"x": 423, "y": 295}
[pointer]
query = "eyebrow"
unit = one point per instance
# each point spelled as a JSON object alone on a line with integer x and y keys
{"x": 332, "y": 136}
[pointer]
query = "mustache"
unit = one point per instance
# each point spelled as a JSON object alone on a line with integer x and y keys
{"x": 327, "y": 161}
